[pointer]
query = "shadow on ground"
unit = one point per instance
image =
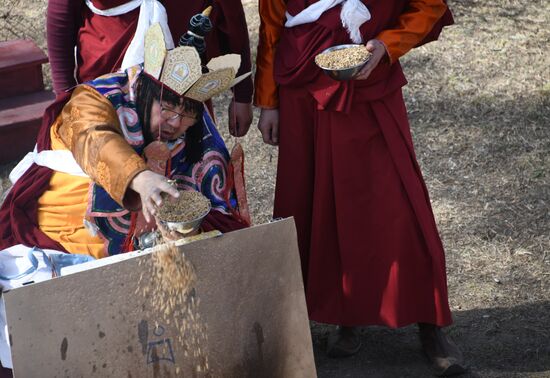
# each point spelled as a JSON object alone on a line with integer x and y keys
{"x": 496, "y": 342}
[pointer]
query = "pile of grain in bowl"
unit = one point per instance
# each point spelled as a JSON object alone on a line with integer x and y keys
{"x": 343, "y": 58}
{"x": 189, "y": 206}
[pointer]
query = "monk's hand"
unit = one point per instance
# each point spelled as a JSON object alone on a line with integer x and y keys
{"x": 378, "y": 51}
{"x": 150, "y": 186}
{"x": 240, "y": 118}
{"x": 269, "y": 126}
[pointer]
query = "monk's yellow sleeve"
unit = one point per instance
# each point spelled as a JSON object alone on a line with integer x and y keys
{"x": 90, "y": 129}
{"x": 413, "y": 25}
{"x": 272, "y": 16}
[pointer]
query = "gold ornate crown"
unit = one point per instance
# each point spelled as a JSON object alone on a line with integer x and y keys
{"x": 180, "y": 69}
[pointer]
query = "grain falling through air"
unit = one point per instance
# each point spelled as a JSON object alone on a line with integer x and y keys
{"x": 170, "y": 290}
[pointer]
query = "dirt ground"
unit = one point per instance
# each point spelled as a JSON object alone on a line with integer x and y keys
{"x": 479, "y": 104}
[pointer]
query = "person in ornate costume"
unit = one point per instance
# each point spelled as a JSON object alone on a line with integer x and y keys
{"x": 370, "y": 250}
{"x": 106, "y": 151}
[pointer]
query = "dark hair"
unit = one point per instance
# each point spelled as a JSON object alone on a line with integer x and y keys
{"x": 148, "y": 91}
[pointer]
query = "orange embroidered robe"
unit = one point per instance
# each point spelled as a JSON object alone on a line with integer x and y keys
{"x": 88, "y": 126}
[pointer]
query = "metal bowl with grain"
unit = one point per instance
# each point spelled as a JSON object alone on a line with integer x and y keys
{"x": 185, "y": 213}
{"x": 343, "y": 62}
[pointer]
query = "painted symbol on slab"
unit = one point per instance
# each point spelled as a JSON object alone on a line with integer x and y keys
{"x": 259, "y": 332}
{"x": 161, "y": 349}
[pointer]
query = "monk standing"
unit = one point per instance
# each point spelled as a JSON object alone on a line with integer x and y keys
{"x": 347, "y": 171}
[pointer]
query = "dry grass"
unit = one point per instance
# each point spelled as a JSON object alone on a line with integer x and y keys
{"x": 479, "y": 103}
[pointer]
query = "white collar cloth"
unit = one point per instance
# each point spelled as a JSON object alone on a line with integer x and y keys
{"x": 115, "y": 11}
{"x": 353, "y": 14}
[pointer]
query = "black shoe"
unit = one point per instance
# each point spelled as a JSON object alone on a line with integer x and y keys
{"x": 343, "y": 342}
{"x": 444, "y": 355}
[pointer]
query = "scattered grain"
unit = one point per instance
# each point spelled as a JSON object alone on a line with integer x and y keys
{"x": 168, "y": 283}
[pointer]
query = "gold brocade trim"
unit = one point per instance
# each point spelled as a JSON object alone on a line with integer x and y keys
{"x": 74, "y": 114}
{"x": 103, "y": 172}
{"x": 134, "y": 163}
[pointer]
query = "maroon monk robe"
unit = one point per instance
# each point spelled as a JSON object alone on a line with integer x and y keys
{"x": 102, "y": 41}
{"x": 62, "y": 23}
{"x": 347, "y": 172}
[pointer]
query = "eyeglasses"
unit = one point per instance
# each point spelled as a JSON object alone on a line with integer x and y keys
{"x": 170, "y": 114}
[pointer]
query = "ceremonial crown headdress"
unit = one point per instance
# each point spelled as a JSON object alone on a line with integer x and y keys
{"x": 181, "y": 71}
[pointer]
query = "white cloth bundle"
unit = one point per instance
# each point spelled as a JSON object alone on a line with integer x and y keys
{"x": 353, "y": 14}
{"x": 57, "y": 160}
{"x": 20, "y": 265}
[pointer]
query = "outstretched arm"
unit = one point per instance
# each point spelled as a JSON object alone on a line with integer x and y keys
{"x": 91, "y": 131}
{"x": 412, "y": 27}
